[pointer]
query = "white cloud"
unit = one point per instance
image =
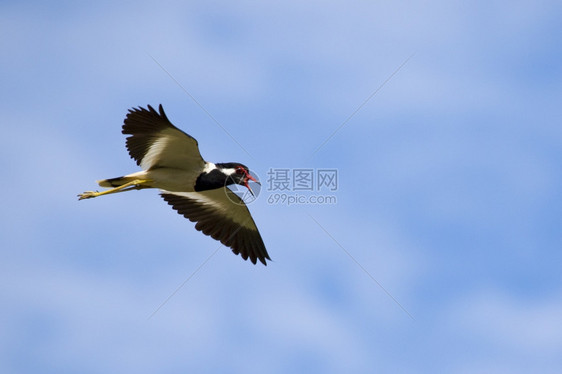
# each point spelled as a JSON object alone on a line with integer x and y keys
{"x": 526, "y": 327}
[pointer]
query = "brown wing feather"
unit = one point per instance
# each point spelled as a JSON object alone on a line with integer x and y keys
{"x": 222, "y": 215}
{"x": 155, "y": 142}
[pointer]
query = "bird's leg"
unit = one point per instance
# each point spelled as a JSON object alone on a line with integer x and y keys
{"x": 136, "y": 184}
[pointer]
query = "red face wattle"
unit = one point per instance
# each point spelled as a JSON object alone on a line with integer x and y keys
{"x": 247, "y": 177}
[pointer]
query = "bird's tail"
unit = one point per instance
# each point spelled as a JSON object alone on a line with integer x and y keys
{"x": 119, "y": 181}
{"x": 116, "y": 182}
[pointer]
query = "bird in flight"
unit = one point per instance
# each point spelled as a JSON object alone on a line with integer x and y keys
{"x": 195, "y": 188}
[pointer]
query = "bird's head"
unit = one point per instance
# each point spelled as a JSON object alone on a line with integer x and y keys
{"x": 240, "y": 174}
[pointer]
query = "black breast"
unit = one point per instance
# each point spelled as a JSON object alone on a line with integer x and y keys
{"x": 212, "y": 180}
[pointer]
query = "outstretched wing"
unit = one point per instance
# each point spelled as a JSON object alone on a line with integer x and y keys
{"x": 221, "y": 214}
{"x": 154, "y": 142}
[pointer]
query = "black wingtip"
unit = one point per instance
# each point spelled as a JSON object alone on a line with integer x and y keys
{"x": 148, "y": 112}
{"x": 162, "y": 114}
{"x": 149, "y": 108}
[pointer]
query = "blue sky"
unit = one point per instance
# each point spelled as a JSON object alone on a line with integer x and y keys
{"x": 448, "y": 198}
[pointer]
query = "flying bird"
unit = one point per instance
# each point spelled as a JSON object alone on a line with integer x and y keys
{"x": 195, "y": 188}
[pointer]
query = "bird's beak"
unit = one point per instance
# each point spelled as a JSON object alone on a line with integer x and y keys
{"x": 250, "y": 178}
{"x": 249, "y": 189}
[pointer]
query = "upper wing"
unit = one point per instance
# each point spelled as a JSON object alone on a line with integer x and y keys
{"x": 155, "y": 142}
{"x": 221, "y": 214}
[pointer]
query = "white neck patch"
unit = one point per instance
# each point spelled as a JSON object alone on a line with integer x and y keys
{"x": 209, "y": 166}
{"x": 228, "y": 171}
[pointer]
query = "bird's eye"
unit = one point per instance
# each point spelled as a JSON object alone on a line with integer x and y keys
{"x": 239, "y": 170}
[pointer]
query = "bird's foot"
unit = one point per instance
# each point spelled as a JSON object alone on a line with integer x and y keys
{"x": 88, "y": 195}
